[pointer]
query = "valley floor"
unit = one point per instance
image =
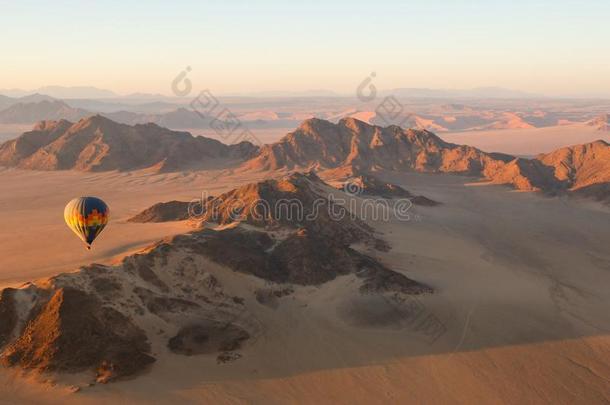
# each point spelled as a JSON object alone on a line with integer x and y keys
{"x": 527, "y": 142}
{"x": 522, "y": 296}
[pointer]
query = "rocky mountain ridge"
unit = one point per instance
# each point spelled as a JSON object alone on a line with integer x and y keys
{"x": 192, "y": 294}
{"x": 99, "y": 144}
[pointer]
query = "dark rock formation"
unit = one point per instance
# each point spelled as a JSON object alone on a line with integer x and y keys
{"x": 207, "y": 337}
{"x": 369, "y": 185}
{"x": 73, "y": 332}
{"x": 8, "y": 315}
{"x": 295, "y": 201}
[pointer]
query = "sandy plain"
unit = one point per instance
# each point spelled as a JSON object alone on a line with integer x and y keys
{"x": 528, "y": 142}
{"x": 521, "y": 293}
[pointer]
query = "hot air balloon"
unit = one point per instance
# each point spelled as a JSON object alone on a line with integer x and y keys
{"x": 87, "y": 217}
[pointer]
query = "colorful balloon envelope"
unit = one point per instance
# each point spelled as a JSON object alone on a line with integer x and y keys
{"x": 87, "y": 217}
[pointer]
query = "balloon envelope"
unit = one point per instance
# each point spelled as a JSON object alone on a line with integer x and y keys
{"x": 87, "y": 217}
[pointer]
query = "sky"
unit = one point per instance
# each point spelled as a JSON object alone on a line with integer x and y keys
{"x": 547, "y": 47}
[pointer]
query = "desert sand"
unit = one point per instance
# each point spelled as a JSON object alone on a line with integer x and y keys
{"x": 528, "y": 142}
{"x": 31, "y": 212}
{"x": 520, "y": 279}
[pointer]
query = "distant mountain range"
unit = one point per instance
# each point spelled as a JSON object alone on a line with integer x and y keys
{"x": 476, "y": 115}
{"x": 89, "y": 92}
{"x": 280, "y": 94}
{"x": 62, "y": 92}
{"x": 479, "y": 92}
{"x": 28, "y": 112}
{"x": 36, "y": 108}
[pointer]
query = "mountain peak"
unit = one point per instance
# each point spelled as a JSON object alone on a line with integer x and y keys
{"x": 97, "y": 121}
{"x": 98, "y": 118}
{"x": 49, "y": 125}
{"x": 36, "y": 97}
{"x": 354, "y": 124}
{"x": 322, "y": 144}
{"x": 313, "y": 123}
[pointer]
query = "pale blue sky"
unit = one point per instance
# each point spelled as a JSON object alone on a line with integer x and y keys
{"x": 553, "y": 47}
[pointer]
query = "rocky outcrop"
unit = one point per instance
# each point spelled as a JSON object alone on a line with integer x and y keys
{"x": 368, "y": 185}
{"x": 527, "y": 175}
{"x": 112, "y": 320}
{"x": 304, "y": 237}
{"x": 73, "y": 332}
{"x": 163, "y": 212}
{"x": 8, "y": 315}
{"x": 294, "y": 201}
{"x": 300, "y": 258}
{"x": 99, "y": 144}
{"x": 103, "y": 319}
{"x": 566, "y": 169}
{"x": 208, "y": 337}
{"x": 580, "y": 165}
